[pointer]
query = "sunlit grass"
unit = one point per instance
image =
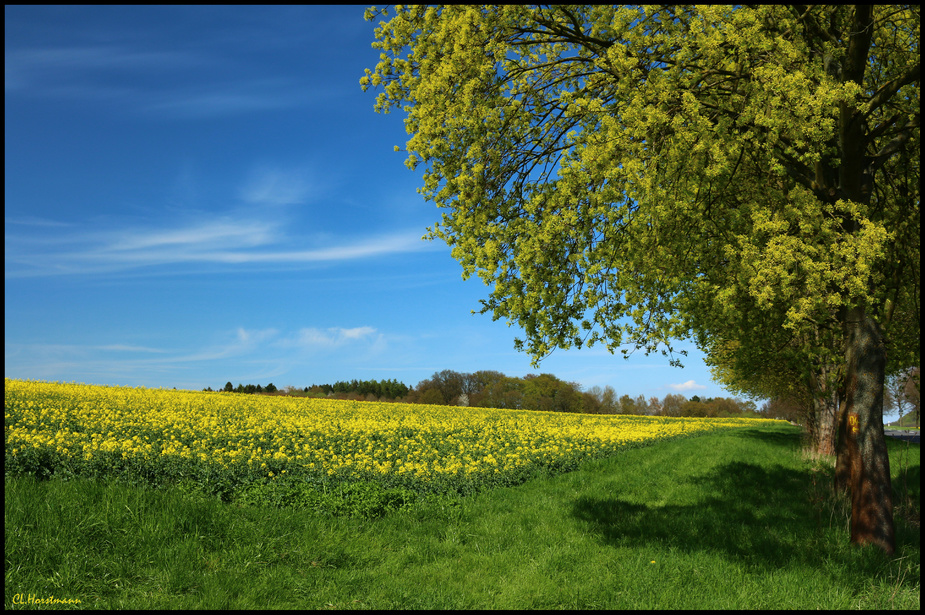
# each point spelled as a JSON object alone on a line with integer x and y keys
{"x": 728, "y": 520}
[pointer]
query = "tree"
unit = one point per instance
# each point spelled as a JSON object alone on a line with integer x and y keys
{"x": 911, "y": 393}
{"x": 450, "y": 384}
{"x": 548, "y": 393}
{"x": 672, "y": 404}
{"x": 627, "y": 405}
{"x": 695, "y": 407}
{"x": 784, "y": 368}
{"x": 641, "y": 405}
{"x": 506, "y": 392}
{"x": 447, "y": 386}
{"x": 602, "y": 401}
{"x": 591, "y": 400}
{"x": 642, "y": 175}
{"x": 783, "y": 409}
{"x": 902, "y": 392}
{"x": 492, "y": 389}
{"x": 432, "y": 396}
{"x": 609, "y": 403}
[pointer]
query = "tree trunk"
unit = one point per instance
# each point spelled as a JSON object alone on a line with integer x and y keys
{"x": 825, "y": 410}
{"x": 843, "y": 455}
{"x": 863, "y": 465}
{"x": 826, "y": 417}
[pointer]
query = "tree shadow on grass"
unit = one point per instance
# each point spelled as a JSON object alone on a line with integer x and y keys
{"x": 742, "y": 517}
{"x": 762, "y": 517}
{"x": 789, "y": 439}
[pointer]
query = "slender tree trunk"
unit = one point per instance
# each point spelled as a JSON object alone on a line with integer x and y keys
{"x": 826, "y": 419}
{"x": 811, "y": 423}
{"x": 843, "y": 455}
{"x": 825, "y": 408}
{"x": 863, "y": 465}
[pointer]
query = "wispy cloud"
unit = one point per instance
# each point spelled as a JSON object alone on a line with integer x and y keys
{"x": 179, "y": 84}
{"x": 274, "y": 186}
{"x": 232, "y": 98}
{"x": 34, "y": 221}
{"x": 115, "y": 256}
{"x": 130, "y": 348}
{"x": 243, "y": 353}
{"x": 219, "y": 242}
{"x": 203, "y": 237}
{"x": 332, "y": 337}
{"x": 43, "y": 68}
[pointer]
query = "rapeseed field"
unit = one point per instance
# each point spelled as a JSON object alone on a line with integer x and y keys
{"x": 158, "y": 436}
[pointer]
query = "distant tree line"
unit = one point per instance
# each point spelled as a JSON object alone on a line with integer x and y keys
{"x": 546, "y": 392}
{"x": 493, "y": 389}
{"x": 246, "y": 388}
{"x": 369, "y": 390}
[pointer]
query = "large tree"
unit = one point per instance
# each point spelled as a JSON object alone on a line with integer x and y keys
{"x": 642, "y": 175}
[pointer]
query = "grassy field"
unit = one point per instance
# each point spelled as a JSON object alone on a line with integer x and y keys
{"x": 737, "y": 519}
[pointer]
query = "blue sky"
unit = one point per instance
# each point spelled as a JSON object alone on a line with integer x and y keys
{"x": 196, "y": 195}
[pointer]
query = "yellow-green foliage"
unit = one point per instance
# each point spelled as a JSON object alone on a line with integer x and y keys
{"x": 56, "y": 428}
{"x": 631, "y": 175}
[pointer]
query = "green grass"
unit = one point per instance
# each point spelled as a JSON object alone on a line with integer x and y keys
{"x": 737, "y": 519}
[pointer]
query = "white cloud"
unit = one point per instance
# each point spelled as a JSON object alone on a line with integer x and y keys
{"x": 250, "y": 338}
{"x": 690, "y": 385}
{"x": 357, "y": 332}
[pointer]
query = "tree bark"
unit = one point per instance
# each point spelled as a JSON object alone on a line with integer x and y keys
{"x": 825, "y": 410}
{"x": 863, "y": 465}
{"x": 826, "y": 417}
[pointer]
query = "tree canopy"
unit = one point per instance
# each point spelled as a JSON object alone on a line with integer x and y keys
{"x": 645, "y": 174}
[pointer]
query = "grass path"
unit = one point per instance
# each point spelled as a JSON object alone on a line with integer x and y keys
{"x": 730, "y": 520}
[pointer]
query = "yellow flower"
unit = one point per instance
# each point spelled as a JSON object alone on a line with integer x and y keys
{"x": 316, "y": 436}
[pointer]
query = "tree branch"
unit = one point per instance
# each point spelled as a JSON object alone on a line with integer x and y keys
{"x": 895, "y": 144}
{"x": 888, "y": 89}
{"x": 862, "y": 32}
